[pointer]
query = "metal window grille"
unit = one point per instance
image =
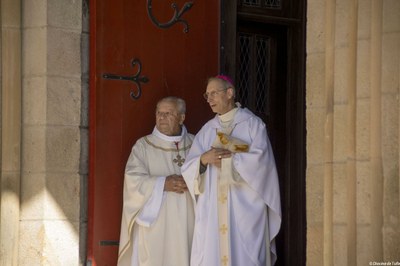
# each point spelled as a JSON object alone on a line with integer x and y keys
{"x": 254, "y": 72}
{"x": 251, "y": 2}
{"x": 244, "y": 68}
{"x": 262, "y": 76}
{"x": 273, "y": 3}
{"x": 265, "y": 4}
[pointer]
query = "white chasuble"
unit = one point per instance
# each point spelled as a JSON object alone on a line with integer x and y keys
{"x": 156, "y": 226}
{"x": 253, "y": 208}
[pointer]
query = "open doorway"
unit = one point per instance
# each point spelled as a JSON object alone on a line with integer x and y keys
{"x": 263, "y": 48}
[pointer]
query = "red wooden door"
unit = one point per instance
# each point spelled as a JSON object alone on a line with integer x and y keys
{"x": 174, "y": 63}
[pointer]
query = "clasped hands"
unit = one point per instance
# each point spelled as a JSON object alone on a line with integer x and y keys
{"x": 214, "y": 156}
{"x": 175, "y": 183}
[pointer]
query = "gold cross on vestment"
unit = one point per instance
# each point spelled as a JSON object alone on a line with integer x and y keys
{"x": 223, "y": 229}
{"x": 224, "y": 260}
{"x": 222, "y": 198}
{"x": 179, "y": 160}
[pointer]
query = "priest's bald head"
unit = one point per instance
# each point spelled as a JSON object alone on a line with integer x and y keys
{"x": 220, "y": 94}
{"x": 170, "y": 114}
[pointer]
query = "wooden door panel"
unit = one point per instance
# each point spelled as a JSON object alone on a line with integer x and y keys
{"x": 176, "y": 63}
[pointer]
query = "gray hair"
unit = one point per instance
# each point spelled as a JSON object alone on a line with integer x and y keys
{"x": 180, "y": 103}
{"x": 225, "y": 84}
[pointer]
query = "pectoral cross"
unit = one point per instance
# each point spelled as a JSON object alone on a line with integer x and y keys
{"x": 179, "y": 160}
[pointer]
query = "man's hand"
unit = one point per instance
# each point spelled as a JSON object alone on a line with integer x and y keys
{"x": 214, "y": 156}
{"x": 175, "y": 183}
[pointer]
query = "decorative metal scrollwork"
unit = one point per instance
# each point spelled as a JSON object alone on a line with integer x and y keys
{"x": 175, "y": 19}
{"x": 137, "y": 79}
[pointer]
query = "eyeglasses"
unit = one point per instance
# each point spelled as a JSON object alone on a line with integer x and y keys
{"x": 212, "y": 94}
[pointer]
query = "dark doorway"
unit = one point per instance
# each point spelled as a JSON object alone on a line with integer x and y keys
{"x": 263, "y": 48}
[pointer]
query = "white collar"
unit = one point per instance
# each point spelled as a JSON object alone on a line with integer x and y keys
{"x": 157, "y": 133}
{"x": 228, "y": 116}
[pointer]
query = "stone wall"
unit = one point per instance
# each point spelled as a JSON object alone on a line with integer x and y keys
{"x": 51, "y": 180}
{"x": 44, "y": 131}
{"x": 353, "y": 70}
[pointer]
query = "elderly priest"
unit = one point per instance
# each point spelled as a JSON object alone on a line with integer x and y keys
{"x": 158, "y": 216}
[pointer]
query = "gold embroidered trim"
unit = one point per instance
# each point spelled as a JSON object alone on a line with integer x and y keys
{"x": 166, "y": 149}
